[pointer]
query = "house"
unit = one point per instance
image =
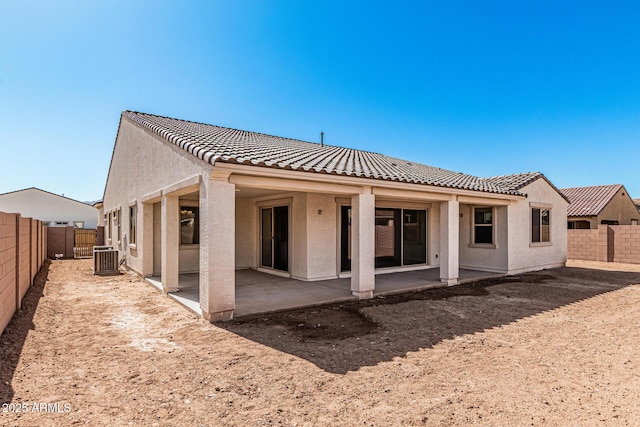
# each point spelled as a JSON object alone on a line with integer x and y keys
{"x": 637, "y": 203}
{"x": 53, "y": 210}
{"x": 186, "y": 197}
{"x": 600, "y": 204}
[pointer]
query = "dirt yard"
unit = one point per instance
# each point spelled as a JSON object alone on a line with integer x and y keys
{"x": 558, "y": 347}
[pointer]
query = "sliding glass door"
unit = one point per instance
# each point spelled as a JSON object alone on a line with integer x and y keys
{"x": 274, "y": 233}
{"x": 400, "y": 237}
{"x": 388, "y": 237}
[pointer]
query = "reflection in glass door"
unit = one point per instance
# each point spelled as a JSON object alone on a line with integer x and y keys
{"x": 274, "y": 235}
{"x": 400, "y": 237}
{"x": 388, "y": 226}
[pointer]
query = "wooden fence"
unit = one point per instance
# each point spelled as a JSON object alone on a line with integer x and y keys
{"x": 70, "y": 242}
{"x": 22, "y": 252}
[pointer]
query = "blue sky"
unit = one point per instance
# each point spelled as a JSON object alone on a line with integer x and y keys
{"x": 485, "y": 88}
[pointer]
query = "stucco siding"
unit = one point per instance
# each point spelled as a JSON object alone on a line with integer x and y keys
{"x": 620, "y": 208}
{"x": 298, "y": 237}
{"x": 322, "y": 246}
{"x": 433, "y": 235}
{"x": 484, "y": 257}
{"x": 144, "y": 164}
{"x": 525, "y": 255}
{"x": 246, "y": 233}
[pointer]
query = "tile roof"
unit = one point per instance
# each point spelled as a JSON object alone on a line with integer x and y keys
{"x": 219, "y": 144}
{"x": 589, "y": 201}
{"x": 515, "y": 181}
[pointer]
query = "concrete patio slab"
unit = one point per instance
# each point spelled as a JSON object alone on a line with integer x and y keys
{"x": 259, "y": 292}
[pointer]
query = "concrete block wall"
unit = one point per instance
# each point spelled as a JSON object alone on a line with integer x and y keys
{"x": 21, "y": 256}
{"x": 24, "y": 277}
{"x": 626, "y": 244}
{"x": 583, "y": 244}
{"x": 7, "y": 268}
{"x": 612, "y": 243}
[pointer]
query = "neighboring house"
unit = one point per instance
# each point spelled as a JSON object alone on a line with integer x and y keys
{"x": 637, "y": 203}
{"x": 190, "y": 197}
{"x": 600, "y": 204}
{"x": 53, "y": 210}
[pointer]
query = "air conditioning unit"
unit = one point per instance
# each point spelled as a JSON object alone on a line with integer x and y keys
{"x": 105, "y": 260}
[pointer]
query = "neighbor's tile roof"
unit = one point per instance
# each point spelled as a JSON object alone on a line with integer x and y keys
{"x": 219, "y": 144}
{"x": 589, "y": 201}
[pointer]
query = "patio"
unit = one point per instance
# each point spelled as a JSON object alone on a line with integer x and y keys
{"x": 258, "y": 292}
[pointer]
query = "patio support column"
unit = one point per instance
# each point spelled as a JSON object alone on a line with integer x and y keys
{"x": 449, "y": 241}
{"x": 363, "y": 244}
{"x": 217, "y": 247}
{"x": 147, "y": 238}
{"x": 170, "y": 222}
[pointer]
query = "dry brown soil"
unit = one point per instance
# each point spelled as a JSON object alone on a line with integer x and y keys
{"x": 558, "y": 347}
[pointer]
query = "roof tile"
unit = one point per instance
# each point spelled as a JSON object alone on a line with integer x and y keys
{"x": 589, "y": 201}
{"x": 218, "y": 144}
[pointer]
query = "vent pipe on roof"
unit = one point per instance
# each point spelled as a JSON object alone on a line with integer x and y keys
{"x": 322, "y": 139}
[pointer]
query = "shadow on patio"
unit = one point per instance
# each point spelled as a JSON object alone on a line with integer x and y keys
{"x": 258, "y": 292}
{"x": 350, "y": 335}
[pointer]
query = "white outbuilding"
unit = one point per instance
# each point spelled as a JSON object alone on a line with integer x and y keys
{"x": 52, "y": 209}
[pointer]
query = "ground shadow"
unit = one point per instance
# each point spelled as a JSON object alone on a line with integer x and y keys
{"x": 15, "y": 334}
{"x": 344, "y": 337}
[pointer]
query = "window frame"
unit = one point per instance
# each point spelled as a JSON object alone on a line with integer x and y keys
{"x": 118, "y": 221}
{"x": 540, "y": 207}
{"x": 109, "y": 225}
{"x": 344, "y": 217}
{"x": 472, "y": 240}
{"x": 133, "y": 225}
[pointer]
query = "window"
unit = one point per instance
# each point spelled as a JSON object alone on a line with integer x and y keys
{"x": 540, "y": 225}
{"x": 78, "y": 224}
{"x": 483, "y": 225}
{"x": 119, "y": 223}
{"x": 579, "y": 224}
{"x": 109, "y": 226}
{"x": 634, "y": 222}
{"x": 189, "y": 225}
{"x": 132, "y": 224}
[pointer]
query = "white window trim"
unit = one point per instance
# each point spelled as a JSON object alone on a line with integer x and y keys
{"x": 472, "y": 243}
{"x": 134, "y": 244}
{"x": 117, "y": 218}
{"x": 108, "y": 225}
